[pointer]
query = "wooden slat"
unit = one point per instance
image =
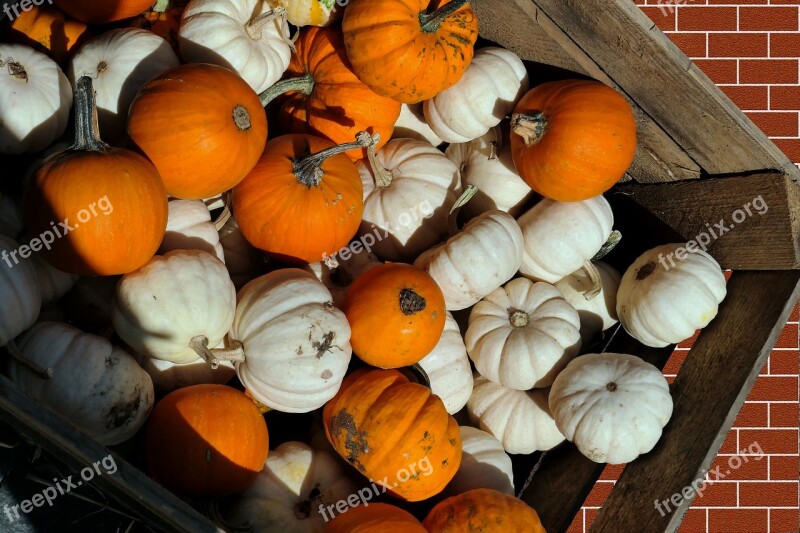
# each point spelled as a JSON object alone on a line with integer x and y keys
{"x": 159, "y": 508}
{"x": 708, "y": 393}
{"x": 768, "y": 241}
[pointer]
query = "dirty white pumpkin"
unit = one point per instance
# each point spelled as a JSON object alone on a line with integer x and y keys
{"x": 599, "y": 312}
{"x": 53, "y": 283}
{"x": 484, "y": 464}
{"x": 448, "y": 368}
{"x": 311, "y": 12}
{"x": 338, "y": 279}
{"x": 668, "y": 293}
{"x": 612, "y": 406}
{"x": 411, "y": 125}
{"x": 19, "y": 291}
{"x": 189, "y": 227}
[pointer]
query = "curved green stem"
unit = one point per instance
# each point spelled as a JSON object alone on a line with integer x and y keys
{"x": 452, "y": 219}
{"x": 255, "y": 27}
{"x": 304, "y": 84}
{"x": 431, "y": 22}
{"x": 383, "y": 176}
{"x": 308, "y": 170}
{"x": 87, "y": 130}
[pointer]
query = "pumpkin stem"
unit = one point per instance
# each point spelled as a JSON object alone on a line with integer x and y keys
{"x": 225, "y": 215}
{"x": 383, "y": 176}
{"x": 431, "y": 22}
{"x": 411, "y": 303}
{"x": 162, "y": 6}
{"x": 87, "y": 130}
{"x": 519, "y": 319}
{"x": 497, "y": 144}
{"x": 44, "y": 373}
{"x": 613, "y": 240}
{"x": 611, "y": 387}
{"x": 452, "y": 219}
{"x": 255, "y": 27}
{"x": 304, "y": 84}
{"x": 15, "y": 69}
{"x": 416, "y": 374}
{"x": 530, "y": 127}
{"x": 308, "y": 170}
{"x": 214, "y": 356}
{"x": 594, "y": 277}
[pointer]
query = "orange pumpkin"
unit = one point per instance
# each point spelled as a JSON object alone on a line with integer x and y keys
{"x": 572, "y": 140}
{"x": 104, "y": 209}
{"x": 303, "y": 200}
{"x": 95, "y": 12}
{"x": 395, "y": 432}
{"x": 202, "y": 126}
{"x": 485, "y": 510}
{"x": 206, "y": 440}
{"x": 163, "y": 19}
{"x": 396, "y": 314}
{"x": 47, "y": 29}
{"x": 326, "y": 98}
{"x": 409, "y": 50}
{"x": 375, "y": 518}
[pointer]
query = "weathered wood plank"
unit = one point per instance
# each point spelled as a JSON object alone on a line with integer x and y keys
{"x": 755, "y": 217}
{"x": 708, "y": 393}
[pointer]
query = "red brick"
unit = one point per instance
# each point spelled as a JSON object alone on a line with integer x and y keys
{"x": 752, "y": 415}
{"x": 784, "y": 362}
{"x": 738, "y": 44}
{"x": 737, "y": 520}
{"x": 735, "y": 468}
{"x": 612, "y": 472}
{"x": 693, "y": 521}
{"x": 796, "y": 313}
{"x": 770, "y": 440}
{"x": 717, "y": 494}
{"x": 784, "y": 520}
{"x": 767, "y": 71}
{"x": 784, "y": 415}
{"x": 591, "y": 514}
{"x": 598, "y": 494}
{"x": 768, "y": 19}
{"x": 776, "y": 124}
{"x": 748, "y": 96}
{"x": 754, "y": 494}
{"x": 691, "y": 44}
{"x": 784, "y": 467}
{"x": 784, "y": 45}
{"x": 665, "y": 23}
{"x": 704, "y": 18}
{"x": 675, "y": 361}
{"x": 788, "y": 337}
{"x": 775, "y": 389}
{"x": 719, "y": 70}
{"x": 577, "y": 524}
{"x": 731, "y": 444}
{"x": 790, "y": 147}
{"x": 784, "y": 97}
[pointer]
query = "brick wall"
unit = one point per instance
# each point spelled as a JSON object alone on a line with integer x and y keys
{"x": 751, "y": 49}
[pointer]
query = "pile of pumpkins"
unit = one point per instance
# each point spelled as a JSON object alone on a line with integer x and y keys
{"x": 174, "y": 249}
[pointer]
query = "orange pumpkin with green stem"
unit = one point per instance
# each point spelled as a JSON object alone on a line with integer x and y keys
{"x": 102, "y": 12}
{"x": 485, "y": 510}
{"x": 375, "y": 518}
{"x": 47, "y": 29}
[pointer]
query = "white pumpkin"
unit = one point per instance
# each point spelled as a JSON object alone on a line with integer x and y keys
{"x": 560, "y": 237}
{"x": 411, "y": 125}
{"x": 19, "y": 291}
{"x": 484, "y": 464}
{"x": 409, "y": 189}
{"x": 311, "y": 12}
{"x": 612, "y": 406}
{"x": 168, "y": 376}
{"x": 189, "y": 227}
{"x": 244, "y": 263}
{"x": 486, "y": 253}
{"x": 296, "y": 343}
{"x": 486, "y": 164}
{"x": 520, "y": 420}
{"x": 523, "y": 334}
{"x": 10, "y": 217}
{"x": 97, "y": 387}
{"x": 173, "y": 300}
{"x": 668, "y": 293}
{"x": 487, "y": 92}
{"x": 286, "y": 496}
{"x": 597, "y": 313}
{"x": 448, "y": 368}
{"x": 120, "y": 62}
{"x": 35, "y": 99}
{"x": 337, "y": 279}
{"x": 246, "y": 36}
{"x": 53, "y": 283}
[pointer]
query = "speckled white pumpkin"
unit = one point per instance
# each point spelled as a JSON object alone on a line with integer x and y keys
{"x": 448, "y": 368}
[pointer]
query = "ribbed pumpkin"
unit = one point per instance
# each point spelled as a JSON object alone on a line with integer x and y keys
{"x": 484, "y": 510}
{"x": 96, "y": 12}
{"x": 202, "y": 127}
{"x": 206, "y": 440}
{"x": 375, "y": 518}
{"x": 384, "y": 425}
{"x": 299, "y": 207}
{"x": 410, "y": 50}
{"x": 325, "y": 96}
{"x": 47, "y": 29}
{"x": 112, "y": 200}
{"x": 573, "y": 139}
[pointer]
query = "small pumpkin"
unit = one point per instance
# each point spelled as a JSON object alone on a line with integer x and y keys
{"x": 162, "y": 19}
{"x": 668, "y": 293}
{"x": 375, "y": 518}
{"x": 310, "y": 12}
{"x": 484, "y": 510}
{"x": 572, "y": 139}
{"x": 19, "y": 291}
{"x": 386, "y": 426}
{"x": 484, "y": 464}
{"x": 411, "y": 125}
{"x": 448, "y": 369}
{"x": 201, "y": 126}
{"x": 102, "y": 12}
{"x": 47, "y": 29}
{"x": 206, "y": 440}
{"x": 432, "y": 45}
{"x": 339, "y": 278}
{"x": 189, "y": 227}
{"x": 599, "y": 312}
{"x": 396, "y": 313}
{"x": 612, "y": 406}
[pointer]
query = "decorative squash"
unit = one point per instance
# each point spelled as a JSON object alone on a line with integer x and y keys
{"x": 448, "y": 368}
{"x": 310, "y": 12}
{"x": 47, "y": 29}
{"x": 484, "y": 510}
{"x": 97, "y": 387}
{"x": 206, "y": 440}
{"x": 300, "y": 207}
{"x": 375, "y": 518}
{"x": 432, "y": 45}
{"x": 396, "y": 313}
{"x": 163, "y": 19}
{"x": 189, "y": 227}
{"x": 114, "y": 196}
{"x": 168, "y": 376}
{"x": 520, "y": 420}
{"x": 337, "y": 279}
{"x": 484, "y": 464}
{"x": 244, "y": 263}
{"x": 120, "y": 62}
{"x": 487, "y": 92}
{"x": 394, "y": 432}
{"x": 201, "y": 126}
{"x": 411, "y": 125}
{"x": 246, "y": 36}
{"x": 523, "y": 334}
{"x": 173, "y": 304}
{"x": 324, "y": 96}
{"x": 35, "y": 98}
{"x": 102, "y": 12}
{"x": 612, "y": 406}
{"x": 19, "y": 291}
{"x": 597, "y": 313}
{"x": 476, "y": 261}
{"x": 409, "y": 189}
{"x": 561, "y": 237}
{"x": 53, "y": 284}
{"x": 291, "y": 493}
{"x": 572, "y": 139}
{"x": 486, "y": 164}
{"x": 668, "y": 293}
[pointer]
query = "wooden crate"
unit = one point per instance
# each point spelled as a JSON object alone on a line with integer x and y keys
{"x": 699, "y": 159}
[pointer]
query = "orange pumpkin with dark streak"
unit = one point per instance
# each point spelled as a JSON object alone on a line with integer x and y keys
{"x": 375, "y": 518}
{"x": 484, "y": 510}
{"x": 104, "y": 11}
{"x": 47, "y": 29}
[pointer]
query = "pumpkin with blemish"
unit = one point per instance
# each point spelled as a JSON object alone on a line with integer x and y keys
{"x": 395, "y": 432}
{"x": 484, "y": 510}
